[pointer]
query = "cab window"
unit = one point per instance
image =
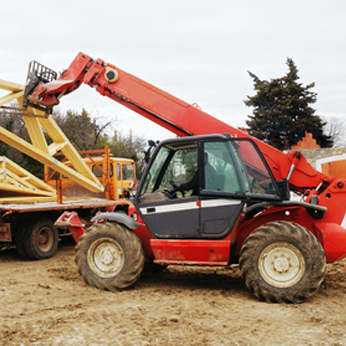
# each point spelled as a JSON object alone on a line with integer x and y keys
{"x": 220, "y": 172}
{"x": 182, "y": 171}
{"x": 173, "y": 166}
{"x": 97, "y": 171}
{"x": 127, "y": 171}
{"x": 118, "y": 172}
{"x": 235, "y": 166}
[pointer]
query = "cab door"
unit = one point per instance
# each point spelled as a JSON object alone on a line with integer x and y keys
{"x": 167, "y": 199}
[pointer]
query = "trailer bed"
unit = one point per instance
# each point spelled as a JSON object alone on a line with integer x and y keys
{"x": 66, "y": 205}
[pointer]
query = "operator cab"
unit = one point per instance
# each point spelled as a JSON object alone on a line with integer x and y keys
{"x": 196, "y": 187}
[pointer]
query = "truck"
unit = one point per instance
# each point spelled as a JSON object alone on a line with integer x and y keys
{"x": 87, "y": 182}
{"x": 214, "y": 196}
{"x": 117, "y": 175}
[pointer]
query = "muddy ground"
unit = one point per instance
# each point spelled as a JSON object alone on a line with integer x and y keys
{"x": 47, "y": 303}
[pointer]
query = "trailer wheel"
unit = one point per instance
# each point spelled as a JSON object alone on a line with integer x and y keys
{"x": 40, "y": 239}
{"x": 109, "y": 256}
{"x": 19, "y": 236}
{"x": 282, "y": 262}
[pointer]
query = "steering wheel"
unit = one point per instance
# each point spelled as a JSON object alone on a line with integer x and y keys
{"x": 177, "y": 187}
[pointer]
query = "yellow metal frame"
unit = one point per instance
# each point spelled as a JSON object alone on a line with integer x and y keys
{"x": 36, "y": 123}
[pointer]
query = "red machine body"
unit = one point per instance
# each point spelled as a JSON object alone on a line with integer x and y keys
{"x": 184, "y": 119}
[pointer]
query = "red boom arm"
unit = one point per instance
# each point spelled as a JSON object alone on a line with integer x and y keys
{"x": 168, "y": 111}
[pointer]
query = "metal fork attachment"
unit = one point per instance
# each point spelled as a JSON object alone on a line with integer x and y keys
{"x": 37, "y": 73}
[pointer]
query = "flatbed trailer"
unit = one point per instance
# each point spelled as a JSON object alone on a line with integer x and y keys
{"x": 30, "y": 225}
{"x": 86, "y": 182}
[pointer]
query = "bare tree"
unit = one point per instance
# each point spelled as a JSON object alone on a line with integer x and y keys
{"x": 84, "y": 132}
{"x": 336, "y": 129}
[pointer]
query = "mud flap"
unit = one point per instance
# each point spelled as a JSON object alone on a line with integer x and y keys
{"x": 333, "y": 238}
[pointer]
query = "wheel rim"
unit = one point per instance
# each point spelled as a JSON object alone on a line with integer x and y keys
{"x": 45, "y": 239}
{"x": 106, "y": 257}
{"x": 281, "y": 265}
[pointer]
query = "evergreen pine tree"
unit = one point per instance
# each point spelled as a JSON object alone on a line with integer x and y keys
{"x": 282, "y": 112}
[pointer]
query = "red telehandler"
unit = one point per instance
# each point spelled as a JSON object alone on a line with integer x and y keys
{"x": 215, "y": 196}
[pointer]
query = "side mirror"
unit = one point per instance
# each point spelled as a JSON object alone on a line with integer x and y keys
{"x": 284, "y": 189}
{"x": 152, "y": 145}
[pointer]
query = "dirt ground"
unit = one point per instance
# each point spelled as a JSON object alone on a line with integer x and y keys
{"x": 47, "y": 303}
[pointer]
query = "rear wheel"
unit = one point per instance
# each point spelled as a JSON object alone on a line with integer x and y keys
{"x": 40, "y": 239}
{"x": 109, "y": 256}
{"x": 282, "y": 262}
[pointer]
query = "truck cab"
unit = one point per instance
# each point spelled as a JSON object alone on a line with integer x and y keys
{"x": 117, "y": 175}
{"x": 122, "y": 177}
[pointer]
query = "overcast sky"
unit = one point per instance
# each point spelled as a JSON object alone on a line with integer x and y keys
{"x": 197, "y": 50}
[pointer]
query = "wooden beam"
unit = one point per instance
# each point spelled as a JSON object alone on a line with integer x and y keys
{"x": 38, "y": 149}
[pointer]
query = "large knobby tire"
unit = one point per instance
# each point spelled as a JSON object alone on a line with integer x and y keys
{"x": 282, "y": 262}
{"x": 39, "y": 239}
{"x": 109, "y": 256}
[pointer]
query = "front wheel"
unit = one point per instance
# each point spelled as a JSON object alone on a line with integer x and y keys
{"x": 109, "y": 256}
{"x": 282, "y": 262}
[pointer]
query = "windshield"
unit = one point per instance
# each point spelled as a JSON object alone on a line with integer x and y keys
{"x": 156, "y": 167}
